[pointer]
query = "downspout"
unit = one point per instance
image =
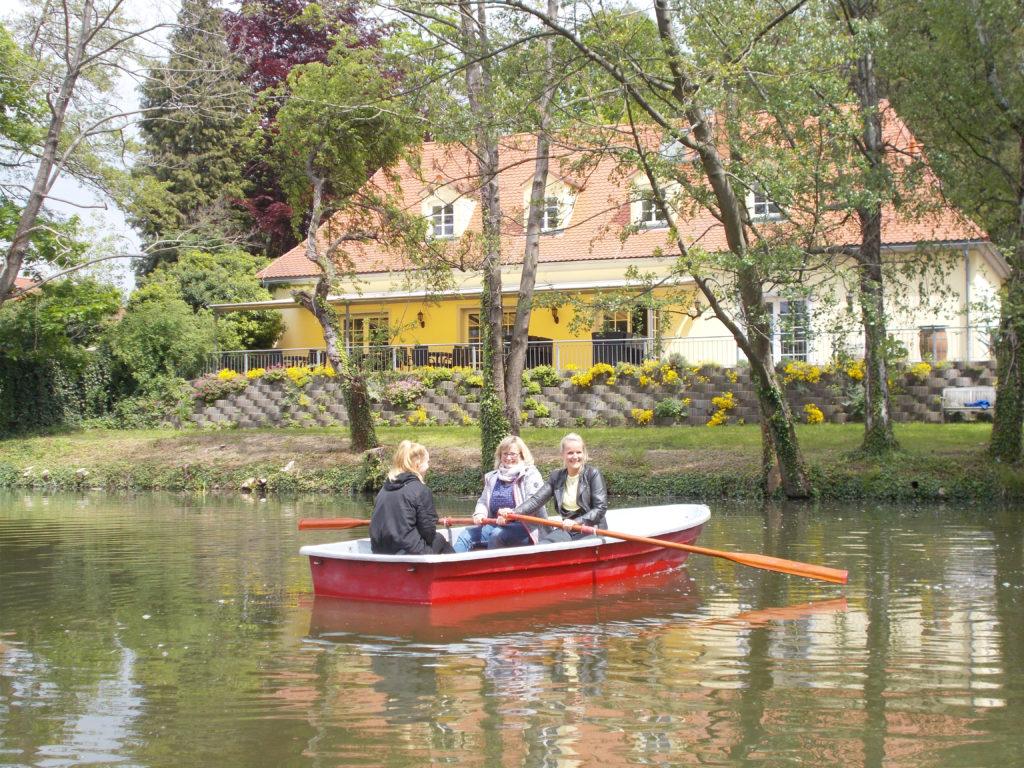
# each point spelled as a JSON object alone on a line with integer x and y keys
{"x": 967, "y": 301}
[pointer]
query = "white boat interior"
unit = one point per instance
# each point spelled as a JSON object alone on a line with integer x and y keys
{"x": 651, "y": 522}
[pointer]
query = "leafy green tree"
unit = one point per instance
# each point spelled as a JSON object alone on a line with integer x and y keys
{"x": 201, "y": 278}
{"x": 197, "y": 122}
{"x": 75, "y": 51}
{"x": 956, "y": 71}
{"x": 59, "y": 320}
{"x": 339, "y": 125}
{"x": 159, "y": 337}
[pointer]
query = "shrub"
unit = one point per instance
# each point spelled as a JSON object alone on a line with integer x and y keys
{"x": 920, "y": 371}
{"x": 797, "y": 370}
{"x": 403, "y": 393}
{"x": 213, "y": 387}
{"x": 418, "y": 418}
{"x": 431, "y": 376}
{"x": 544, "y": 375}
{"x": 642, "y": 416}
{"x": 814, "y": 414}
{"x": 671, "y": 408}
{"x": 226, "y": 374}
{"x": 723, "y": 404}
{"x": 255, "y": 373}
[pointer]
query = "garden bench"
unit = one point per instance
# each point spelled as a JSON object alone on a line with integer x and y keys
{"x": 965, "y": 400}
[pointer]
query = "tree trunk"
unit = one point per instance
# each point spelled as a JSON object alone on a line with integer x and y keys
{"x": 1008, "y": 420}
{"x": 878, "y": 434}
{"x": 493, "y": 425}
{"x": 781, "y": 459}
{"x": 362, "y": 433}
{"x": 516, "y": 362}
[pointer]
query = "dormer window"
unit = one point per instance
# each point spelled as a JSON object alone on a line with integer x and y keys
{"x": 762, "y": 207}
{"x": 442, "y": 220}
{"x": 552, "y": 219}
{"x": 650, "y": 215}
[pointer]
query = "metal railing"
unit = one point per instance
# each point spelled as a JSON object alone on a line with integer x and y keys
{"x": 934, "y": 343}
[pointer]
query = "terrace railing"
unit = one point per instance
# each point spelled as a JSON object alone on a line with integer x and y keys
{"x": 933, "y": 343}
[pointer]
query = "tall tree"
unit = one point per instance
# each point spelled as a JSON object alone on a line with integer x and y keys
{"x": 338, "y": 127}
{"x": 688, "y": 92}
{"x": 76, "y": 50}
{"x": 195, "y": 138}
{"x": 477, "y": 61}
{"x": 973, "y": 129}
{"x": 860, "y": 18}
{"x": 271, "y": 37}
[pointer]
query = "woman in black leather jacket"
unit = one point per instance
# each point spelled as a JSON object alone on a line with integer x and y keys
{"x": 578, "y": 490}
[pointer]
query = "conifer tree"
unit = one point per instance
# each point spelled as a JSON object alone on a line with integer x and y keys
{"x": 195, "y": 132}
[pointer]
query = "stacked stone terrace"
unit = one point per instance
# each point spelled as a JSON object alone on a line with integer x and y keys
{"x": 320, "y": 402}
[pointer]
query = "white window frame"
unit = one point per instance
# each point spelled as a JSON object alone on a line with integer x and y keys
{"x": 763, "y": 208}
{"x": 552, "y": 205}
{"x": 442, "y": 221}
{"x": 783, "y": 350}
{"x": 650, "y": 214}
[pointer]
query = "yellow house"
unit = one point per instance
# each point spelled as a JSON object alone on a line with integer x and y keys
{"x": 598, "y": 223}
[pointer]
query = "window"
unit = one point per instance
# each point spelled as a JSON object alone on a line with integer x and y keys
{"x": 508, "y": 321}
{"x": 552, "y": 218}
{"x": 633, "y": 321}
{"x": 650, "y": 215}
{"x": 442, "y": 220}
{"x": 367, "y": 331}
{"x": 762, "y": 207}
{"x": 792, "y": 329}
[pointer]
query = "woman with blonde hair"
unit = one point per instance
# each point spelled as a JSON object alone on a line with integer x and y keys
{"x": 513, "y": 479}
{"x": 404, "y": 520}
{"x": 578, "y": 489}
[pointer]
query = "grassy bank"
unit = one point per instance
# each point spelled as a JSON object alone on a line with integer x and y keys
{"x": 936, "y": 461}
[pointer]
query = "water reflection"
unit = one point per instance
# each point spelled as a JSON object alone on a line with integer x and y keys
{"x": 164, "y": 631}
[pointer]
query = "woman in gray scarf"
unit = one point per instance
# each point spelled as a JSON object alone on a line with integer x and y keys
{"x": 513, "y": 480}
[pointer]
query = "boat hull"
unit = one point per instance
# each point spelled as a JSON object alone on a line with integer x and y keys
{"x": 349, "y": 572}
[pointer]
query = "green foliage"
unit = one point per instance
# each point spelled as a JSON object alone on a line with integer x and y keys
{"x": 23, "y": 108}
{"x": 162, "y": 336}
{"x": 57, "y": 321}
{"x": 341, "y": 122}
{"x": 201, "y": 278}
{"x": 191, "y": 164}
{"x": 670, "y": 408}
{"x": 544, "y": 375}
{"x": 212, "y": 387}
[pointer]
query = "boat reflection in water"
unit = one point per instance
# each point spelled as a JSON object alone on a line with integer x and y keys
{"x": 671, "y": 596}
{"x": 666, "y": 594}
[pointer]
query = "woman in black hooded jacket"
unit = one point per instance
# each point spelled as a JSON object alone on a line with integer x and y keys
{"x": 404, "y": 520}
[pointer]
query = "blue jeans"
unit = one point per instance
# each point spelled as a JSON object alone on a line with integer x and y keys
{"x": 492, "y": 537}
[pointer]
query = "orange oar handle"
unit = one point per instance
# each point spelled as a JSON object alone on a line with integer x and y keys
{"x": 792, "y": 567}
{"x": 313, "y": 523}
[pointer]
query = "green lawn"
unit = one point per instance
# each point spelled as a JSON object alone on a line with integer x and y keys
{"x": 652, "y": 448}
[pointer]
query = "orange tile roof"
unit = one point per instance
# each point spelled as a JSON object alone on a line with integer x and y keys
{"x": 600, "y": 213}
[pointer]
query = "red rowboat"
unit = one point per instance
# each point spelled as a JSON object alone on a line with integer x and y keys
{"x": 348, "y": 569}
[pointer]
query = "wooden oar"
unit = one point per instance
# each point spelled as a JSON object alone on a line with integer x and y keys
{"x": 311, "y": 523}
{"x": 792, "y": 567}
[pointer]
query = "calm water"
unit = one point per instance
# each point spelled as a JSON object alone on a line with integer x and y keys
{"x": 166, "y": 631}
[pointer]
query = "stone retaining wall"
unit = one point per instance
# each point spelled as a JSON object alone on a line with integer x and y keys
{"x": 320, "y": 402}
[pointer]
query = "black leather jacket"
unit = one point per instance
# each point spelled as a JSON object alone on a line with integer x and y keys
{"x": 592, "y": 497}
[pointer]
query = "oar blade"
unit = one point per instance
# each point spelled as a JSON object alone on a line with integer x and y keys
{"x": 791, "y": 567}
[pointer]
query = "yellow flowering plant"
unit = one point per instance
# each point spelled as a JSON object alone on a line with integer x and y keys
{"x": 723, "y": 404}
{"x": 920, "y": 371}
{"x": 642, "y": 416}
{"x": 226, "y": 374}
{"x": 814, "y": 414}
{"x": 255, "y": 373}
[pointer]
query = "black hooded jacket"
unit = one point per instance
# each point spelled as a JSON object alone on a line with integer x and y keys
{"x": 404, "y": 520}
